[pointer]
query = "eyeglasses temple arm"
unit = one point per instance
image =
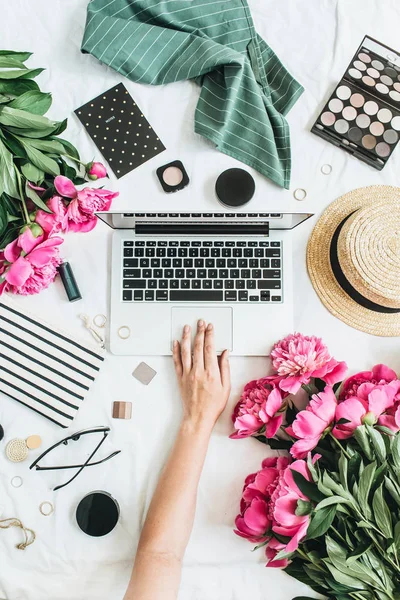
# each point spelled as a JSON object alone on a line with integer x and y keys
{"x": 58, "y": 487}
{"x": 98, "y": 462}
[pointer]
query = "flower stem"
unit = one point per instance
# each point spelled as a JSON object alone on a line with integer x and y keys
{"x": 24, "y": 209}
{"x": 74, "y": 159}
{"x": 340, "y": 446}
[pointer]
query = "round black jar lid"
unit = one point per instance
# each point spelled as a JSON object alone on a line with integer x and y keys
{"x": 235, "y": 187}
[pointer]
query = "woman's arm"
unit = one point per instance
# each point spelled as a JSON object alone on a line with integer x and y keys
{"x": 205, "y": 386}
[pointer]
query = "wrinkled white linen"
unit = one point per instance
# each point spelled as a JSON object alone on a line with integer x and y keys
{"x": 316, "y": 40}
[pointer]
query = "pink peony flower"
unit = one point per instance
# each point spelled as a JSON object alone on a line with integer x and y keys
{"x": 271, "y": 550}
{"x": 254, "y": 523}
{"x": 56, "y": 221}
{"x": 312, "y": 423}
{"x": 297, "y": 358}
{"x": 261, "y": 405}
{"x": 380, "y": 375}
{"x": 96, "y": 170}
{"x": 371, "y": 405}
{"x": 28, "y": 264}
{"x": 84, "y": 203}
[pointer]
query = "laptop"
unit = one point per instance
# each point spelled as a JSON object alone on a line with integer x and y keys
{"x": 171, "y": 269}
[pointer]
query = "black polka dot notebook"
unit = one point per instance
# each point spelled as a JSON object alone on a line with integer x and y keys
{"x": 120, "y": 130}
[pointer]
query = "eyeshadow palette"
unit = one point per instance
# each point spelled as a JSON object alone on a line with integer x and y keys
{"x": 120, "y": 130}
{"x": 362, "y": 116}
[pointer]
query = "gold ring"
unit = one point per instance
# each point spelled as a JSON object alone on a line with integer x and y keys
{"x": 124, "y": 332}
{"x": 100, "y": 320}
{"x": 47, "y": 512}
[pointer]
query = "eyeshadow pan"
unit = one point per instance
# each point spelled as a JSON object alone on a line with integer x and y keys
{"x": 343, "y": 92}
{"x": 355, "y": 74}
{"x": 394, "y": 95}
{"x": 364, "y": 57}
{"x": 387, "y": 80}
{"x": 377, "y": 65}
{"x": 355, "y": 134}
{"x": 368, "y": 80}
{"x": 382, "y": 149}
{"x": 369, "y": 142}
{"x": 385, "y": 115}
{"x": 373, "y": 73}
{"x": 341, "y": 126}
{"x": 396, "y": 123}
{"x": 396, "y": 86}
{"x": 390, "y": 136}
{"x": 328, "y": 118}
{"x": 357, "y": 100}
{"x": 382, "y": 88}
{"x": 371, "y": 107}
{"x": 349, "y": 113}
{"x": 360, "y": 65}
{"x": 391, "y": 72}
{"x": 376, "y": 128}
{"x": 335, "y": 105}
{"x": 363, "y": 121}
{"x": 172, "y": 176}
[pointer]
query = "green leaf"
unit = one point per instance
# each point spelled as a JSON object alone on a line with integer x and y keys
{"x": 377, "y": 443}
{"x": 337, "y": 488}
{"x": 323, "y": 489}
{"x": 397, "y": 536}
{"x": 41, "y": 161}
{"x": 70, "y": 148}
{"x": 8, "y": 179}
{"x": 309, "y": 489}
{"x": 396, "y": 452}
{"x": 14, "y": 146}
{"x": 303, "y": 598}
{"x": 34, "y": 102}
{"x": 32, "y": 133}
{"x": 330, "y": 501}
{"x": 359, "y": 551}
{"x": 3, "y": 218}
{"x": 382, "y": 513}
{"x": 10, "y": 235}
{"x": 346, "y": 580}
{"x": 61, "y": 126}
{"x": 393, "y": 490}
{"x": 321, "y": 522}
{"x": 303, "y": 508}
{"x": 364, "y": 488}
{"x": 10, "y": 62}
{"x": 20, "y": 73}
{"x": 32, "y": 195}
{"x": 16, "y": 87}
{"x": 362, "y": 438}
{"x": 343, "y": 466}
{"x": 343, "y": 421}
{"x": 32, "y": 173}
{"x": 22, "y": 56}
{"x": 44, "y": 145}
{"x": 21, "y": 119}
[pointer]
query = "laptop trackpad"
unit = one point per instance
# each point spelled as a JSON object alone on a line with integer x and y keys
{"x": 220, "y": 317}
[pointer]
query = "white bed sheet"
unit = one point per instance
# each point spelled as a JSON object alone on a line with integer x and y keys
{"x": 316, "y": 39}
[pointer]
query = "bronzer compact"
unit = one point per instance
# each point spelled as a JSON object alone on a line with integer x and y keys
{"x": 362, "y": 116}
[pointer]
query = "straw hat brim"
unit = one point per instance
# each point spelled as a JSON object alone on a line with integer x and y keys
{"x": 320, "y": 271}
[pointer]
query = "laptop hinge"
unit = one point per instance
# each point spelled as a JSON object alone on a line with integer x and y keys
{"x": 201, "y": 229}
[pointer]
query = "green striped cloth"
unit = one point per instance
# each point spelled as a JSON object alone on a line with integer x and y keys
{"x": 245, "y": 89}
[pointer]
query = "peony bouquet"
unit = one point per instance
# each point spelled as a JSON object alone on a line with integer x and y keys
{"x": 38, "y": 197}
{"x": 328, "y": 512}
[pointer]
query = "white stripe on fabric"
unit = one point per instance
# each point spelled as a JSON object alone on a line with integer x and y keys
{"x": 113, "y": 40}
{"x": 143, "y": 55}
{"x": 93, "y": 32}
{"x": 196, "y": 6}
{"x": 137, "y": 45}
{"x": 157, "y": 55}
{"x": 223, "y": 49}
{"x": 197, "y": 48}
{"x": 106, "y": 33}
{"x": 172, "y": 64}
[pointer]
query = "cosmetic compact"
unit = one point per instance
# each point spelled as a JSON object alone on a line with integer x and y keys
{"x": 97, "y": 513}
{"x": 362, "y": 116}
{"x": 173, "y": 176}
{"x": 235, "y": 188}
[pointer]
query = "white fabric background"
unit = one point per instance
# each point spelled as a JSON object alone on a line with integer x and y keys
{"x": 316, "y": 39}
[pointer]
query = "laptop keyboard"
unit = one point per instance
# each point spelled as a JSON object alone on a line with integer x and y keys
{"x": 202, "y": 271}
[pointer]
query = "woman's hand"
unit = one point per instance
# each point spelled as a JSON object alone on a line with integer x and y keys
{"x": 204, "y": 383}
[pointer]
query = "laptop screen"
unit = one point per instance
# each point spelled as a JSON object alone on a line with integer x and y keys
{"x": 198, "y": 222}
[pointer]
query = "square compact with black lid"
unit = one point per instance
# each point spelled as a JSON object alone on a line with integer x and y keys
{"x": 362, "y": 116}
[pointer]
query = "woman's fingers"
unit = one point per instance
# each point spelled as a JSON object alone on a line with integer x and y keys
{"x": 176, "y": 353}
{"x": 225, "y": 370}
{"x": 198, "y": 353}
{"x": 186, "y": 351}
{"x": 210, "y": 354}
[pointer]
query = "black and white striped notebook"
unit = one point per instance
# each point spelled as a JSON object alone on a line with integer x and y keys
{"x": 42, "y": 367}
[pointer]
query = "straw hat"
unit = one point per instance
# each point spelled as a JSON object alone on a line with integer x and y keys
{"x": 353, "y": 259}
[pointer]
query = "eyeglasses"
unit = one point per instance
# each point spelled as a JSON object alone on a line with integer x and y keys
{"x": 74, "y": 438}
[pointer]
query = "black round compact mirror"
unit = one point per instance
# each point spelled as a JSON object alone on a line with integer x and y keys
{"x": 97, "y": 513}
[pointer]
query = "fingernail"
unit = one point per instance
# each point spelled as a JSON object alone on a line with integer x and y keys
{"x": 209, "y": 327}
{"x": 186, "y": 329}
{"x": 200, "y": 323}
